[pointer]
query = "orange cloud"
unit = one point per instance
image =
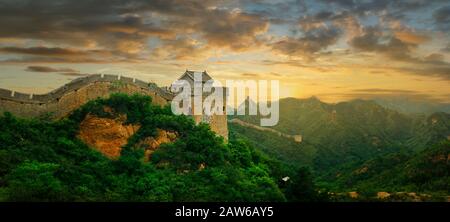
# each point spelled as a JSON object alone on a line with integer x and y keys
{"x": 411, "y": 37}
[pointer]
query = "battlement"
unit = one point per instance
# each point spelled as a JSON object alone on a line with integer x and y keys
{"x": 63, "y": 100}
{"x": 78, "y": 83}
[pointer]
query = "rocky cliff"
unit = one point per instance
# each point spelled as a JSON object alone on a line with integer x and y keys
{"x": 109, "y": 135}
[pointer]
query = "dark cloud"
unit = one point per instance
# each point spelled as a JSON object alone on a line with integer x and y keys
{"x": 442, "y": 18}
{"x": 114, "y": 31}
{"x": 60, "y": 55}
{"x": 60, "y": 71}
{"x": 442, "y": 15}
{"x": 124, "y": 27}
{"x": 311, "y": 42}
{"x": 181, "y": 48}
{"x": 49, "y": 69}
{"x": 236, "y": 30}
{"x": 374, "y": 6}
{"x": 374, "y": 40}
{"x": 346, "y": 3}
{"x": 45, "y": 51}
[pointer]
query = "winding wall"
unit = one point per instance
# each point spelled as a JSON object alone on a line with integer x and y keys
{"x": 60, "y": 102}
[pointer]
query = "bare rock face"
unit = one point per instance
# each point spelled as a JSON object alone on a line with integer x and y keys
{"x": 353, "y": 194}
{"x": 383, "y": 195}
{"x": 106, "y": 135}
{"x": 150, "y": 144}
{"x": 109, "y": 135}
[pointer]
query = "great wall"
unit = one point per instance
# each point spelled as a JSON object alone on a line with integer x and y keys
{"x": 295, "y": 138}
{"x": 62, "y": 101}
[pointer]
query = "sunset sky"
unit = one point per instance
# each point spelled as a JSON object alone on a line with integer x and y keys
{"x": 334, "y": 49}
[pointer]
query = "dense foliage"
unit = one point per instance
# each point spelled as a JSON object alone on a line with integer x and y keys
{"x": 423, "y": 172}
{"x": 358, "y": 145}
{"x": 43, "y": 160}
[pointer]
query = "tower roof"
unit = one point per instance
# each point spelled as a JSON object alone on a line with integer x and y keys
{"x": 190, "y": 75}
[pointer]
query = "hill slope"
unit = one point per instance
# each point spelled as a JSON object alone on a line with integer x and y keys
{"x": 43, "y": 160}
{"x": 352, "y": 131}
{"x": 339, "y": 139}
{"x": 426, "y": 172}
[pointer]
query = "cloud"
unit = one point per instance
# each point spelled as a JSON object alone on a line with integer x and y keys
{"x": 442, "y": 18}
{"x": 180, "y": 49}
{"x": 235, "y": 30}
{"x": 442, "y": 15}
{"x": 60, "y": 71}
{"x": 446, "y": 49}
{"x": 44, "y": 51}
{"x": 441, "y": 71}
{"x": 367, "y": 7}
{"x": 254, "y": 75}
{"x": 125, "y": 27}
{"x": 374, "y": 40}
{"x": 60, "y": 55}
{"x": 309, "y": 43}
{"x": 435, "y": 57}
{"x": 346, "y": 3}
{"x": 411, "y": 37}
{"x": 49, "y": 69}
{"x": 261, "y": 75}
{"x": 380, "y": 90}
{"x": 304, "y": 34}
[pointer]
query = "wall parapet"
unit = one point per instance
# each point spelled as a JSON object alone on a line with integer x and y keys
{"x": 78, "y": 83}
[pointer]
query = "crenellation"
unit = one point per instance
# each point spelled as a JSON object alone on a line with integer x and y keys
{"x": 109, "y": 78}
{"x": 74, "y": 85}
{"x": 63, "y": 100}
{"x": 6, "y": 93}
{"x": 43, "y": 98}
{"x": 141, "y": 83}
{"x": 22, "y": 96}
{"x": 126, "y": 80}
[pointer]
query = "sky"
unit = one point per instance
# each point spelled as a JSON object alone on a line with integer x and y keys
{"x": 336, "y": 50}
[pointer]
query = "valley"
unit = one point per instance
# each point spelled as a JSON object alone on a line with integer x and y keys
{"x": 359, "y": 146}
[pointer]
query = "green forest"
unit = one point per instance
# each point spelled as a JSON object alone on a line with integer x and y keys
{"x": 43, "y": 160}
{"x": 355, "y": 146}
{"x": 360, "y": 146}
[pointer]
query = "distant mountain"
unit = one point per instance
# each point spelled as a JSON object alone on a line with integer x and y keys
{"x": 359, "y": 146}
{"x": 410, "y": 106}
{"x": 335, "y": 134}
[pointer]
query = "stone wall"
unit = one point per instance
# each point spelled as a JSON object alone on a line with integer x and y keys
{"x": 296, "y": 138}
{"x": 62, "y": 101}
